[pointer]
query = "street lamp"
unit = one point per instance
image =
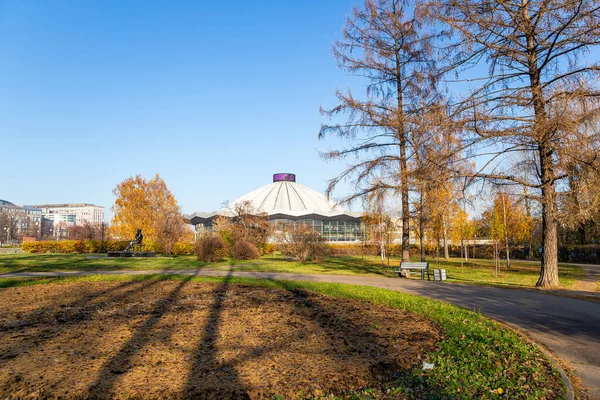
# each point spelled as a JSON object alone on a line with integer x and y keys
{"x": 102, "y": 245}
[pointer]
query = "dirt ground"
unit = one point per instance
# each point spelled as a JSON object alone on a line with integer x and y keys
{"x": 182, "y": 339}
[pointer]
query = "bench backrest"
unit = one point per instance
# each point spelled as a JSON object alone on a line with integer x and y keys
{"x": 414, "y": 265}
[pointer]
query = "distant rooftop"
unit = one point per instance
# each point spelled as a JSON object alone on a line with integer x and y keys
{"x": 65, "y": 205}
{"x": 5, "y": 203}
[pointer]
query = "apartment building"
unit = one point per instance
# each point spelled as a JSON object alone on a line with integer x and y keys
{"x": 72, "y": 214}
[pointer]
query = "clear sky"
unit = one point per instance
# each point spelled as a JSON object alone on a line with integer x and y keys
{"x": 214, "y": 96}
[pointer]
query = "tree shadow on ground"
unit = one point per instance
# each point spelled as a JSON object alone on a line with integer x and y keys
{"x": 224, "y": 381}
{"x": 71, "y": 311}
{"x": 344, "y": 332}
{"x": 106, "y": 379}
{"x": 385, "y": 369}
{"x": 355, "y": 265}
{"x": 91, "y": 262}
{"x": 41, "y": 262}
{"x": 221, "y": 379}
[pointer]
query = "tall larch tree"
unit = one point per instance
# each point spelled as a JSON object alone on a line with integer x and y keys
{"x": 538, "y": 101}
{"x": 384, "y": 43}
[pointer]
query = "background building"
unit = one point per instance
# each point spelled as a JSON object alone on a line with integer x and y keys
{"x": 75, "y": 214}
{"x": 58, "y": 219}
{"x": 17, "y": 222}
{"x": 288, "y": 202}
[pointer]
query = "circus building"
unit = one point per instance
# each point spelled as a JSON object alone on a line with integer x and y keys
{"x": 291, "y": 203}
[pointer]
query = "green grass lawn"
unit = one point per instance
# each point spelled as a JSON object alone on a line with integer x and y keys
{"x": 270, "y": 263}
{"x": 481, "y": 272}
{"x": 521, "y": 274}
{"x": 87, "y": 262}
{"x": 475, "y": 357}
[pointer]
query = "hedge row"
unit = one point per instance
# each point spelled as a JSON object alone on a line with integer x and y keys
{"x": 368, "y": 249}
{"x": 588, "y": 253}
{"x": 95, "y": 246}
{"x": 571, "y": 253}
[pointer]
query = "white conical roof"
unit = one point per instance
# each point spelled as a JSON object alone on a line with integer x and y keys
{"x": 285, "y": 196}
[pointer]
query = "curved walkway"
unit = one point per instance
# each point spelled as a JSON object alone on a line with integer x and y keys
{"x": 570, "y": 328}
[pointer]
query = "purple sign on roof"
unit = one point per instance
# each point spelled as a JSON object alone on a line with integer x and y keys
{"x": 284, "y": 178}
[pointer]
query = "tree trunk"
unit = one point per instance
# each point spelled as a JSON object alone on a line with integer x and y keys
{"x": 421, "y": 227}
{"x": 445, "y": 229}
{"x": 549, "y": 268}
{"x": 401, "y": 132}
{"x": 405, "y": 209}
{"x": 381, "y": 242}
{"x": 582, "y": 233}
{"x": 529, "y": 221}
{"x": 505, "y": 232}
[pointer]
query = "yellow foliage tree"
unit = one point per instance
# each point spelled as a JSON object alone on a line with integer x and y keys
{"x": 462, "y": 230}
{"x": 507, "y": 223}
{"x": 147, "y": 204}
{"x": 441, "y": 207}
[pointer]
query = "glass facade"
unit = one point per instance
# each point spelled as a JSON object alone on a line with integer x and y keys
{"x": 330, "y": 230}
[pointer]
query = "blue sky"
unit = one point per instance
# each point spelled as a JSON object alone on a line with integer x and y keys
{"x": 216, "y": 97}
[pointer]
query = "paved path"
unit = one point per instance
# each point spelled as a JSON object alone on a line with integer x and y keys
{"x": 590, "y": 280}
{"x": 570, "y": 328}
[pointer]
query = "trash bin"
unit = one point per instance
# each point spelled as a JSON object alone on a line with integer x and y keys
{"x": 439, "y": 275}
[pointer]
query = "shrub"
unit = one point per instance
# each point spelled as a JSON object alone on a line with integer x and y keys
{"x": 268, "y": 248}
{"x": 209, "y": 248}
{"x": 579, "y": 253}
{"x": 115, "y": 245}
{"x": 304, "y": 244}
{"x": 246, "y": 224}
{"x": 319, "y": 250}
{"x": 79, "y": 246}
{"x": 354, "y": 249}
{"x": 244, "y": 250}
{"x": 183, "y": 249}
{"x": 31, "y": 247}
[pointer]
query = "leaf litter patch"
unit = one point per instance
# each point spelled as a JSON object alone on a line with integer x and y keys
{"x": 185, "y": 339}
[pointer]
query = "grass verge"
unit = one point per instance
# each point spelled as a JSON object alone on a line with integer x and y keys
{"x": 522, "y": 274}
{"x": 477, "y": 358}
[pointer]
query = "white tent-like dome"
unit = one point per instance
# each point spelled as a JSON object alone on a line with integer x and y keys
{"x": 288, "y": 201}
{"x": 286, "y": 197}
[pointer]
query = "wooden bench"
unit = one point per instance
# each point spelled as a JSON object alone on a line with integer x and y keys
{"x": 419, "y": 266}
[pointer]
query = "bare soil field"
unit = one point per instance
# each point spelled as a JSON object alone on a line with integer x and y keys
{"x": 182, "y": 339}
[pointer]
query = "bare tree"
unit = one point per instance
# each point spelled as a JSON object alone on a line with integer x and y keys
{"x": 384, "y": 42}
{"x": 85, "y": 231}
{"x": 377, "y": 222}
{"x": 436, "y": 147}
{"x": 169, "y": 227}
{"x": 302, "y": 242}
{"x": 244, "y": 223}
{"x": 8, "y": 227}
{"x": 47, "y": 229}
{"x": 538, "y": 103}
